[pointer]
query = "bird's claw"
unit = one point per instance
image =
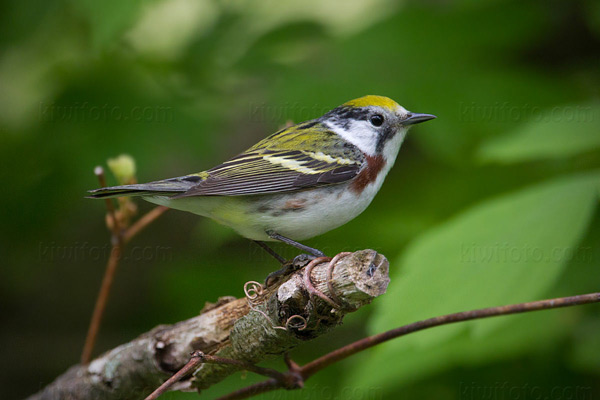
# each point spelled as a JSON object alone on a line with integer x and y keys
{"x": 290, "y": 266}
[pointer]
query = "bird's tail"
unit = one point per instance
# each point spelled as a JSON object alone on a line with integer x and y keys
{"x": 167, "y": 187}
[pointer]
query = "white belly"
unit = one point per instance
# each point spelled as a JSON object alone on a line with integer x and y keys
{"x": 296, "y": 215}
{"x": 303, "y": 215}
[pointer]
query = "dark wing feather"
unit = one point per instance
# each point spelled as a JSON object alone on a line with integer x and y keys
{"x": 167, "y": 187}
{"x": 336, "y": 175}
{"x": 272, "y": 171}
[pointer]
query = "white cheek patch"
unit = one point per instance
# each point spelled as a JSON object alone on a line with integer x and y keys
{"x": 359, "y": 133}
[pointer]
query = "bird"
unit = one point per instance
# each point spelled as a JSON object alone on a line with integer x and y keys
{"x": 300, "y": 182}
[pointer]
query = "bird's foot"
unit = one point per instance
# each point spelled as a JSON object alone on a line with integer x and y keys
{"x": 289, "y": 267}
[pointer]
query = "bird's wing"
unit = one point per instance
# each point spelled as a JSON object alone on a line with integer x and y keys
{"x": 288, "y": 160}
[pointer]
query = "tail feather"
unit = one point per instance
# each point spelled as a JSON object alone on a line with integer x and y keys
{"x": 167, "y": 187}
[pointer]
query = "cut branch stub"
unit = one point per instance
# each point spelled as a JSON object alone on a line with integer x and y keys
{"x": 285, "y": 315}
{"x": 355, "y": 281}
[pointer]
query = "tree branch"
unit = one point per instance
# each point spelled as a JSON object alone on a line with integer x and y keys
{"x": 320, "y": 363}
{"x": 261, "y": 326}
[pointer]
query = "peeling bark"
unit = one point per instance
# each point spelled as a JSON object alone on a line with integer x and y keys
{"x": 244, "y": 329}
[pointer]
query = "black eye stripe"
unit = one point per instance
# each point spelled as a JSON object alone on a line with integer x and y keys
{"x": 343, "y": 116}
{"x": 348, "y": 113}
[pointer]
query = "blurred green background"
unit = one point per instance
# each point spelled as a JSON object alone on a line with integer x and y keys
{"x": 494, "y": 202}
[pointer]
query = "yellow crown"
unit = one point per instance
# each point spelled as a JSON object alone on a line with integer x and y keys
{"x": 372, "y": 100}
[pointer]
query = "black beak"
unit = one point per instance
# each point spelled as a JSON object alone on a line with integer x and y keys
{"x": 416, "y": 118}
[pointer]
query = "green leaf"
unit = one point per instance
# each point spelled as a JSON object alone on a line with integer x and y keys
{"x": 507, "y": 250}
{"x": 563, "y": 131}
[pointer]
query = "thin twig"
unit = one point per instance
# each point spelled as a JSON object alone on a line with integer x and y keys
{"x": 353, "y": 348}
{"x": 101, "y": 300}
{"x": 118, "y": 239}
{"x": 342, "y": 353}
{"x": 195, "y": 360}
{"x": 199, "y": 357}
{"x": 109, "y": 274}
{"x": 269, "y": 372}
{"x": 143, "y": 222}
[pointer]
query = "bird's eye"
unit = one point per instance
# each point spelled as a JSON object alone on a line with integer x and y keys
{"x": 376, "y": 120}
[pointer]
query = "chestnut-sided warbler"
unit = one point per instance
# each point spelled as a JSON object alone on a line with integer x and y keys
{"x": 299, "y": 182}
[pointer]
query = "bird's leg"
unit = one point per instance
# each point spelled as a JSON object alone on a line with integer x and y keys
{"x": 277, "y": 236}
{"x": 272, "y": 252}
{"x": 288, "y": 266}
